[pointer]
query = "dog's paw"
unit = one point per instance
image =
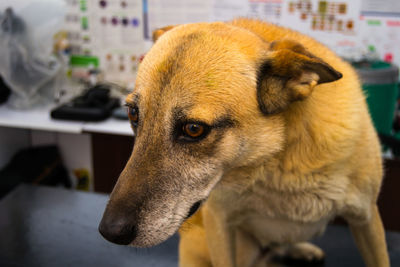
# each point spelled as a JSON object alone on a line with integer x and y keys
{"x": 300, "y": 254}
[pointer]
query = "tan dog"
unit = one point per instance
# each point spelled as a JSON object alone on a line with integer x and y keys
{"x": 256, "y": 121}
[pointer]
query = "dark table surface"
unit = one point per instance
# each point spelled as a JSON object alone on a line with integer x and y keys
{"x": 42, "y": 226}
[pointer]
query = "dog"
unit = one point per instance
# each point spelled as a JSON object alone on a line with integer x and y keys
{"x": 249, "y": 137}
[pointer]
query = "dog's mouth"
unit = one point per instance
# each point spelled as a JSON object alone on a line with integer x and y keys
{"x": 193, "y": 209}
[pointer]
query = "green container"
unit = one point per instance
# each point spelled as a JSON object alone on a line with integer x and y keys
{"x": 380, "y": 84}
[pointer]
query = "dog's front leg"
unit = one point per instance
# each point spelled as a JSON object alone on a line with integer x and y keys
{"x": 220, "y": 237}
{"x": 370, "y": 240}
{"x": 228, "y": 245}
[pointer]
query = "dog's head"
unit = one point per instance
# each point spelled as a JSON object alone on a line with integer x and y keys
{"x": 208, "y": 99}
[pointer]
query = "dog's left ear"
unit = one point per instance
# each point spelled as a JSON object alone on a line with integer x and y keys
{"x": 289, "y": 73}
{"x": 157, "y": 33}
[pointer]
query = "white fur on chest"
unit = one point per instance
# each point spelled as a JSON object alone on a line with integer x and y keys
{"x": 285, "y": 218}
{"x": 272, "y": 230}
{"x": 271, "y": 213}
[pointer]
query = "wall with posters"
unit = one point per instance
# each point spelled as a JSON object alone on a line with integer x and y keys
{"x": 118, "y": 32}
{"x": 353, "y": 28}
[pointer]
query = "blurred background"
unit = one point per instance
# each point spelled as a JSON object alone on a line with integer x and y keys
{"x": 66, "y": 66}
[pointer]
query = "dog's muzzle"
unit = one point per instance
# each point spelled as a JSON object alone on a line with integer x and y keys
{"x": 123, "y": 230}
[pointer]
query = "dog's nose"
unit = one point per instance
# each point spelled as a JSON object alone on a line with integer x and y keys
{"x": 118, "y": 231}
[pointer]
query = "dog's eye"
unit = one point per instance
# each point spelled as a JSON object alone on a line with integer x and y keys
{"x": 193, "y": 130}
{"x": 133, "y": 114}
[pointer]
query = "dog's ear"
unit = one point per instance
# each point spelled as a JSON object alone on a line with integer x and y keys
{"x": 289, "y": 73}
{"x": 157, "y": 33}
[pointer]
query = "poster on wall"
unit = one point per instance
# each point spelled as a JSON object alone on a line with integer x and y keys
{"x": 173, "y": 12}
{"x": 334, "y": 23}
{"x": 117, "y": 27}
{"x": 380, "y": 29}
{"x": 161, "y": 13}
{"x": 380, "y": 8}
{"x": 268, "y": 10}
{"x": 380, "y": 38}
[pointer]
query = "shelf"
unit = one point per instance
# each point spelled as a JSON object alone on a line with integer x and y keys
{"x": 39, "y": 119}
{"x": 109, "y": 126}
{"x": 36, "y": 119}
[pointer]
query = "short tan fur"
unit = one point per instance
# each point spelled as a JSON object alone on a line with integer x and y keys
{"x": 289, "y": 145}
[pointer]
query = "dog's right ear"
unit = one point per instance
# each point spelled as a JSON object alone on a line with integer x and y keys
{"x": 289, "y": 73}
{"x": 157, "y": 33}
